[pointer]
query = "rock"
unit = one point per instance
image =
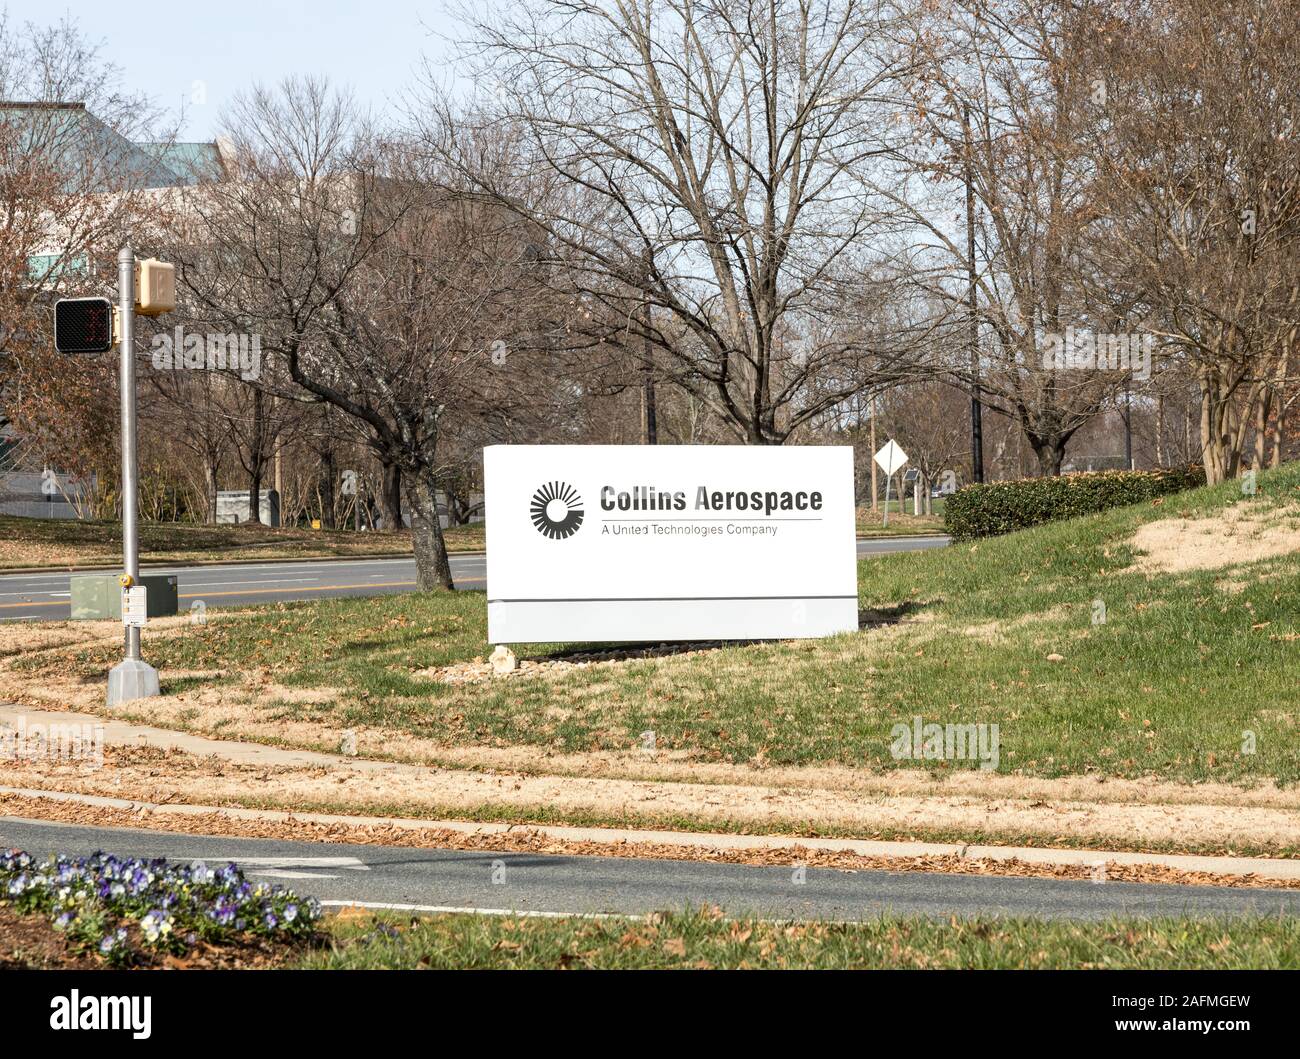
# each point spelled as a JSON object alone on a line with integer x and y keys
{"x": 504, "y": 660}
{"x": 1055, "y": 658}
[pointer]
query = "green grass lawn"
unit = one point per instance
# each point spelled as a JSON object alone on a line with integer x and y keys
{"x": 1184, "y": 680}
{"x": 902, "y": 523}
{"x": 37, "y": 542}
{"x": 703, "y": 939}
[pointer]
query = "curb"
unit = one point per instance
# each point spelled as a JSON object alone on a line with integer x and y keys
{"x": 902, "y": 537}
{"x": 1260, "y": 867}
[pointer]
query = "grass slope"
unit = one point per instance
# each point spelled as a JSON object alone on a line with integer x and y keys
{"x": 1192, "y": 676}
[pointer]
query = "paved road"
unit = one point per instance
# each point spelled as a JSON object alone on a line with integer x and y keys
{"x": 435, "y": 880}
{"x": 37, "y": 597}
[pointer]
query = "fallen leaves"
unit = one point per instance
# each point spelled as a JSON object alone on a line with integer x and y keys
{"x": 529, "y": 840}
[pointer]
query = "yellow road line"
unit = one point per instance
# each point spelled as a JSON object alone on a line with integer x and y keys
{"x": 281, "y": 591}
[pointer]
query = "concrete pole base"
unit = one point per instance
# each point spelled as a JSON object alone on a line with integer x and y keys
{"x": 131, "y": 679}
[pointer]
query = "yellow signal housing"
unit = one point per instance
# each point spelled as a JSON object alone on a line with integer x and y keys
{"x": 155, "y": 287}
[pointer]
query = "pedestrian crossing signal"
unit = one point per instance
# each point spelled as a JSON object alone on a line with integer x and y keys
{"x": 83, "y": 325}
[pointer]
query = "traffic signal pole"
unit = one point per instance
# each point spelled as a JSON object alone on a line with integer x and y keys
{"x": 130, "y": 464}
{"x": 132, "y": 678}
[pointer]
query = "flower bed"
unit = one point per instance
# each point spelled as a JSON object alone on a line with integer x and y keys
{"x": 129, "y": 912}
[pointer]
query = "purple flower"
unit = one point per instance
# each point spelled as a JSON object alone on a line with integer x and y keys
{"x": 112, "y": 943}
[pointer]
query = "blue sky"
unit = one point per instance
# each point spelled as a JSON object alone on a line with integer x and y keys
{"x": 374, "y": 47}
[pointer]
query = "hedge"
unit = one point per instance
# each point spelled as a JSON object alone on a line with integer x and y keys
{"x": 1000, "y": 507}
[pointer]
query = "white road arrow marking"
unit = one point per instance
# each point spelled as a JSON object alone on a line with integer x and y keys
{"x": 280, "y": 873}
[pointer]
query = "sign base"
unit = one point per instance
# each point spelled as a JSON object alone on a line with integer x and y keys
{"x": 131, "y": 679}
{"x": 669, "y": 620}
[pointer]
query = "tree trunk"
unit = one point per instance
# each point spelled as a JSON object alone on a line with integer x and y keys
{"x": 1210, "y": 436}
{"x": 1279, "y": 382}
{"x": 1279, "y": 433}
{"x": 389, "y": 498}
{"x": 1262, "y": 408}
{"x": 327, "y": 470}
{"x": 210, "y": 491}
{"x": 255, "y": 495}
{"x": 1160, "y": 430}
{"x": 1051, "y": 454}
{"x": 432, "y": 567}
{"x": 256, "y": 461}
{"x": 1219, "y": 456}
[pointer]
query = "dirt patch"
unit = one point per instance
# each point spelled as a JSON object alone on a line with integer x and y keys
{"x": 30, "y": 943}
{"x": 1242, "y": 533}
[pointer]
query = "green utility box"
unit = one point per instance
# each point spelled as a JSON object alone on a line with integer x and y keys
{"x": 96, "y": 597}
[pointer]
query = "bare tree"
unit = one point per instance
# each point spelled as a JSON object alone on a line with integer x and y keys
{"x": 1201, "y": 160}
{"x": 698, "y": 168}
{"x": 1003, "y": 110}
{"x": 373, "y": 288}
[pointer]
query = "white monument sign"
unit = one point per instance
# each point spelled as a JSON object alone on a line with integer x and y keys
{"x": 669, "y": 542}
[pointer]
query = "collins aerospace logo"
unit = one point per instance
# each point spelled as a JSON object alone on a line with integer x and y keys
{"x": 556, "y": 510}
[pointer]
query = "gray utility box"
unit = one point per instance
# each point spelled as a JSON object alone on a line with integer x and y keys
{"x": 99, "y": 596}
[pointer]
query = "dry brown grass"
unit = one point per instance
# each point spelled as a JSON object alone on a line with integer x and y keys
{"x": 579, "y": 787}
{"x": 1240, "y": 534}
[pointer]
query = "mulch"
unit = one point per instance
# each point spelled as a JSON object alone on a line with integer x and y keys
{"x": 30, "y": 942}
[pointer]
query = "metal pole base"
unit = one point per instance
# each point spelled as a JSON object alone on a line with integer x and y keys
{"x": 131, "y": 679}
